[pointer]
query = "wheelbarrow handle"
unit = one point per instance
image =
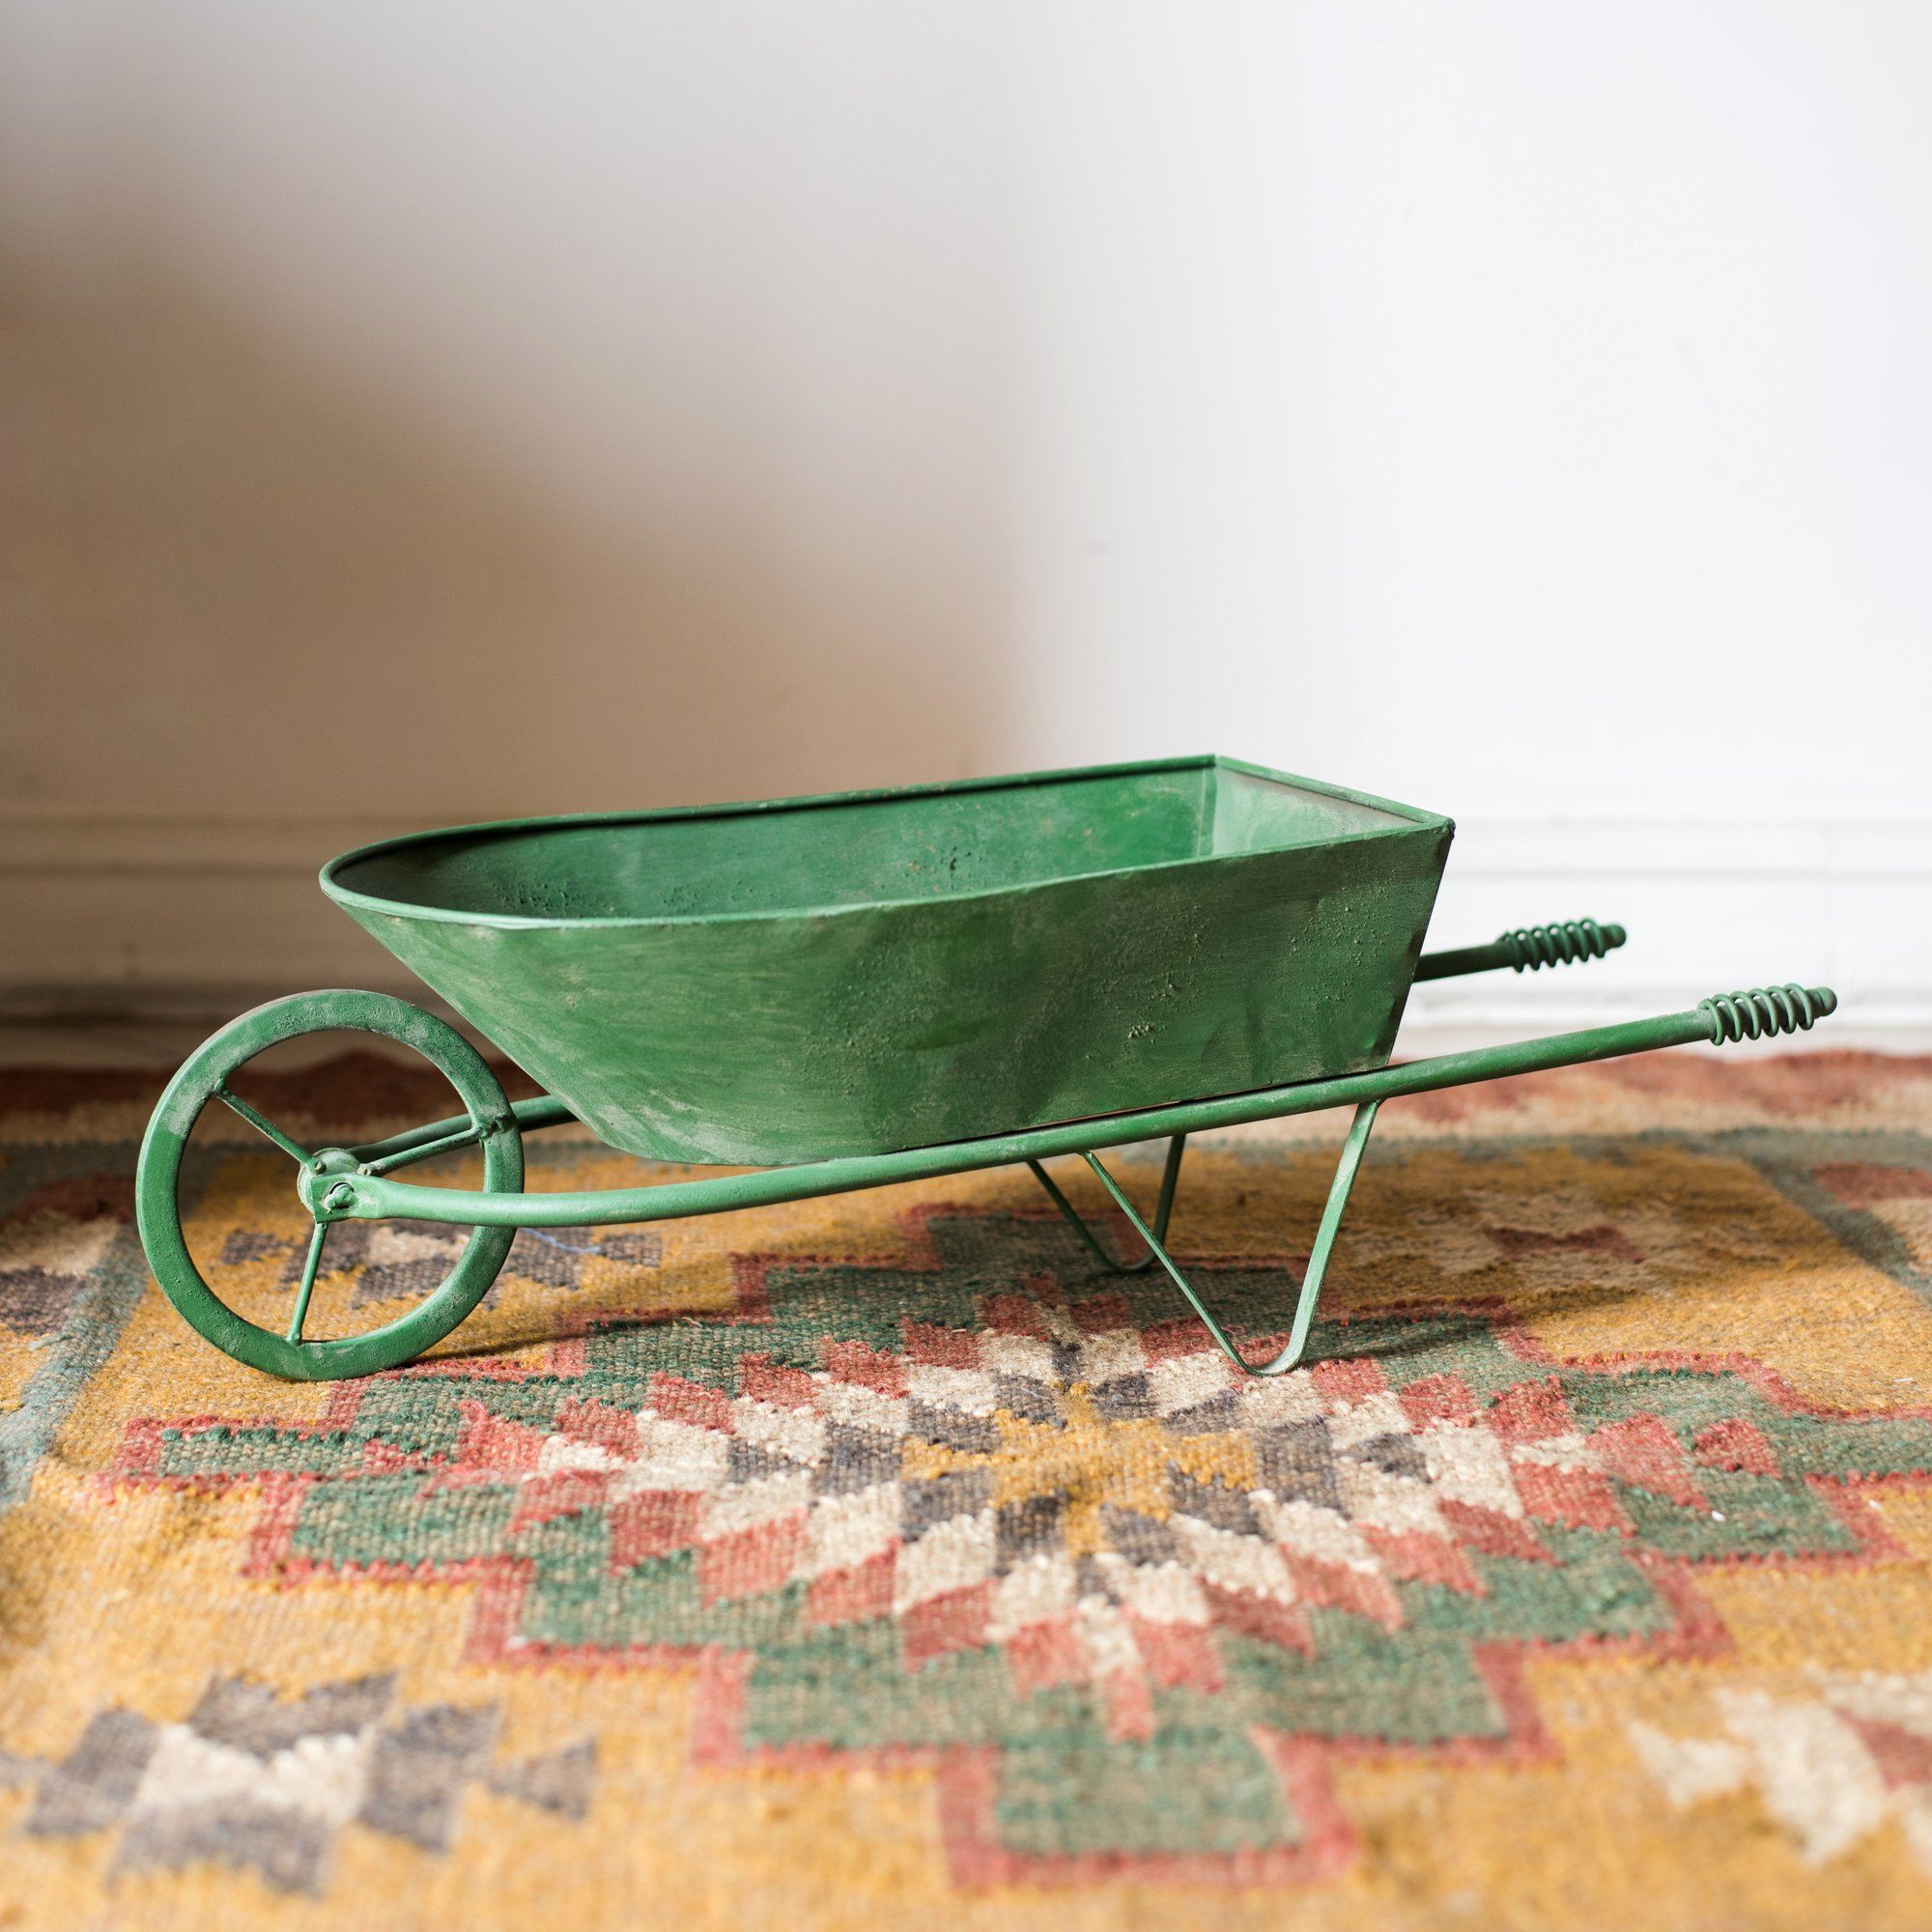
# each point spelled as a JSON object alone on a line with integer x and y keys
{"x": 1759, "y": 1013}
{"x": 1525, "y": 949}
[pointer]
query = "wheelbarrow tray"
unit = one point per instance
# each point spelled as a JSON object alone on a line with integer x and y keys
{"x": 816, "y": 978}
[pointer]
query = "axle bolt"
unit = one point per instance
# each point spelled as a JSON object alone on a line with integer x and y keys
{"x": 339, "y": 1196}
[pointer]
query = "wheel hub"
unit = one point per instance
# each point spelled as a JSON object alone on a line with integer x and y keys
{"x": 321, "y": 1182}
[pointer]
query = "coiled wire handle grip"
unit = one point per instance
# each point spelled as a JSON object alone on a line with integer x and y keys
{"x": 1558, "y": 945}
{"x": 1525, "y": 950}
{"x": 1764, "y": 1012}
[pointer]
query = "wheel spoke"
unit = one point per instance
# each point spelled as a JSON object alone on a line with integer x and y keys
{"x": 311, "y": 1262}
{"x": 468, "y": 1137}
{"x": 262, "y": 1125}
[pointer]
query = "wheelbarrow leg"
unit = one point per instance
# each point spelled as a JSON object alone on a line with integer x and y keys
{"x": 1318, "y": 1258}
{"x": 1177, "y": 1145}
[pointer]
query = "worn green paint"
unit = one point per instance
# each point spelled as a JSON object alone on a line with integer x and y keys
{"x": 808, "y": 978}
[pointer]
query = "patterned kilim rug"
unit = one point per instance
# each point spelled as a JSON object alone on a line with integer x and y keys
{"x": 881, "y": 1562}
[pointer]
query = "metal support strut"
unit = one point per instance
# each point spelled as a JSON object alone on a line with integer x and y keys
{"x": 1318, "y": 1257}
{"x": 1176, "y": 1146}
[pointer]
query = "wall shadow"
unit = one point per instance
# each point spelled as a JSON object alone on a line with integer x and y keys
{"x": 239, "y": 583}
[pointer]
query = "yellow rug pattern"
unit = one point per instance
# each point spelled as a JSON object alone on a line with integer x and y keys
{"x": 882, "y": 1562}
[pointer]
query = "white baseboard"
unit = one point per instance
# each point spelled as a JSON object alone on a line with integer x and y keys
{"x": 162, "y": 916}
{"x": 1711, "y": 904}
{"x": 133, "y": 914}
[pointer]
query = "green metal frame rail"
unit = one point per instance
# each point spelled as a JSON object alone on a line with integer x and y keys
{"x": 1759, "y": 1012}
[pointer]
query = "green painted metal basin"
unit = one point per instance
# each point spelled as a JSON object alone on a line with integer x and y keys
{"x": 803, "y": 979}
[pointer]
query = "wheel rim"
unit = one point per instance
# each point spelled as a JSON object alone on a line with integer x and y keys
{"x": 203, "y": 1078}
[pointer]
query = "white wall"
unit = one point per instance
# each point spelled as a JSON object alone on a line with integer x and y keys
{"x": 1530, "y": 409}
{"x": 444, "y": 411}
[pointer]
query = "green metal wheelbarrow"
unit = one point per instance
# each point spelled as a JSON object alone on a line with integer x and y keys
{"x": 878, "y": 987}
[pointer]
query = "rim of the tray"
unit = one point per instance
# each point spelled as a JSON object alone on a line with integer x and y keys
{"x": 1412, "y": 818}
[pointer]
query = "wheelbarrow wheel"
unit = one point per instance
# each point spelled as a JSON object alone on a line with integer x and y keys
{"x": 205, "y": 1077}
